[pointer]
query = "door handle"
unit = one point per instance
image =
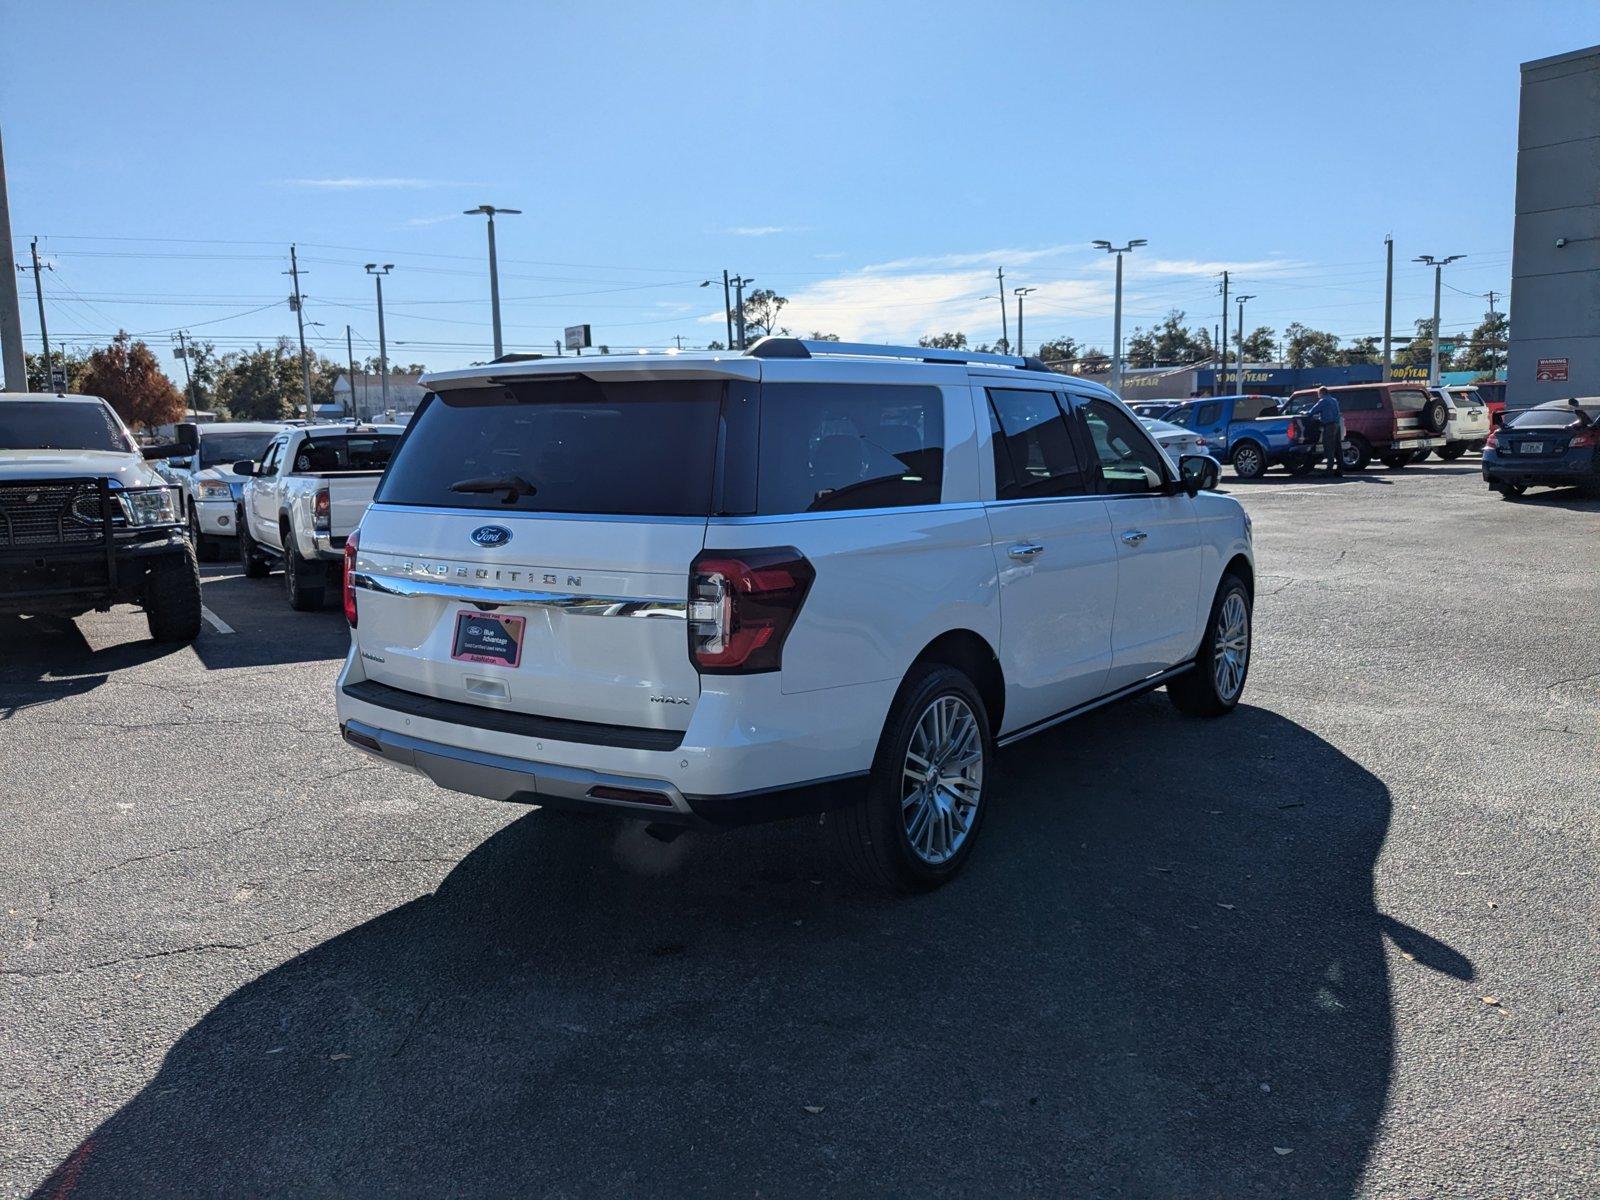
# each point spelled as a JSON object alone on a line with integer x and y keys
{"x": 1134, "y": 536}
{"x": 1025, "y": 551}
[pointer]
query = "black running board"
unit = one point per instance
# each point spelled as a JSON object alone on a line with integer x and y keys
{"x": 1127, "y": 693}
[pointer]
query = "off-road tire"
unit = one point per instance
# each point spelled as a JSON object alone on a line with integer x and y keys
{"x": 251, "y": 558}
{"x": 1249, "y": 461}
{"x": 205, "y": 548}
{"x": 869, "y": 834}
{"x": 172, "y": 598}
{"x": 1435, "y": 415}
{"x": 304, "y": 580}
{"x": 1196, "y": 693}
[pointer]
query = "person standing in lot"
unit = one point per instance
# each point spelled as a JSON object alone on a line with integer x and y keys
{"x": 1331, "y": 422}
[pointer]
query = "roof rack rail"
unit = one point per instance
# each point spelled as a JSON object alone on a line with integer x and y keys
{"x": 518, "y": 357}
{"x": 788, "y": 347}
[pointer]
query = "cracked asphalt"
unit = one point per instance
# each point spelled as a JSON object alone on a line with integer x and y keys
{"x": 1342, "y": 943}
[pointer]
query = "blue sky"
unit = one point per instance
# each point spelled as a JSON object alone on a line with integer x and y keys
{"x": 872, "y": 162}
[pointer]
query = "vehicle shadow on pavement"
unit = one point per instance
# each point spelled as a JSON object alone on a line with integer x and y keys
{"x": 266, "y": 631}
{"x": 1163, "y": 974}
{"x": 45, "y": 659}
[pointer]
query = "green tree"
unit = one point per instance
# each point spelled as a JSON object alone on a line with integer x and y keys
{"x": 262, "y": 384}
{"x": 1171, "y": 343}
{"x": 1307, "y": 347}
{"x": 1062, "y": 349}
{"x": 944, "y": 341}
{"x": 822, "y": 337}
{"x": 1418, "y": 351}
{"x": 1094, "y": 361}
{"x": 1361, "y": 351}
{"x": 761, "y": 309}
{"x": 39, "y": 378}
{"x": 1486, "y": 348}
{"x": 128, "y": 376}
{"x": 1259, "y": 346}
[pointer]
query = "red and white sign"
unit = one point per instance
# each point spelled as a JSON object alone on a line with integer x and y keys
{"x": 1551, "y": 370}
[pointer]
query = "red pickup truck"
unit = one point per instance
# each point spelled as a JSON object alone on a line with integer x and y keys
{"x": 1396, "y": 423}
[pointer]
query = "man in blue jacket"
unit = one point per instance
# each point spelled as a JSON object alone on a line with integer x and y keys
{"x": 1331, "y": 420}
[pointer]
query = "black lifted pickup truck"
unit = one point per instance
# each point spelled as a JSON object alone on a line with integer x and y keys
{"x": 86, "y": 522}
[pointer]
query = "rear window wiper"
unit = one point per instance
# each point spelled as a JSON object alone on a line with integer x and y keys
{"x": 514, "y": 487}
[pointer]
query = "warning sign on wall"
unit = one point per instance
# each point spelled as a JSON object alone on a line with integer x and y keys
{"x": 1551, "y": 370}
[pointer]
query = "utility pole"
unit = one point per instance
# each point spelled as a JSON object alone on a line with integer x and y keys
{"x": 678, "y": 339}
{"x": 1005, "y": 334}
{"x": 350, "y": 359}
{"x": 38, "y": 292}
{"x": 1438, "y": 265}
{"x": 1240, "y": 301}
{"x": 489, "y": 211}
{"x": 738, "y": 282}
{"x": 1222, "y": 367}
{"x": 296, "y": 303}
{"x": 1494, "y": 351}
{"x": 727, "y": 308}
{"x": 188, "y": 379}
{"x": 1020, "y": 293}
{"x": 377, "y": 274}
{"x": 1388, "y": 308}
{"x": 1116, "y": 320}
{"x": 16, "y": 364}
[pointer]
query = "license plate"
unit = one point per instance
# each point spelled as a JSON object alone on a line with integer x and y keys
{"x": 488, "y": 638}
{"x": 1533, "y": 447}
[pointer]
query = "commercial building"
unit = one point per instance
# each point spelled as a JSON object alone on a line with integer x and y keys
{"x": 366, "y": 399}
{"x": 1555, "y": 254}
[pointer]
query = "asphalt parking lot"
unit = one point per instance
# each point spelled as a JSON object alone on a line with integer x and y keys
{"x": 1341, "y": 943}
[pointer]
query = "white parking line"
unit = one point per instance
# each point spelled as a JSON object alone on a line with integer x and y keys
{"x": 215, "y": 621}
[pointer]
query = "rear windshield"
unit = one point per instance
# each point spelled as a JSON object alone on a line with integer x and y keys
{"x": 223, "y": 449}
{"x": 1552, "y": 418}
{"x": 53, "y": 425}
{"x": 1407, "y": 400}
{"x": 354, "y": 452}
{"x": 570, "y": 445}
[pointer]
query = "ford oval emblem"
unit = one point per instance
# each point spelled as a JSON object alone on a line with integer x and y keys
{"x": 491, "y": 535}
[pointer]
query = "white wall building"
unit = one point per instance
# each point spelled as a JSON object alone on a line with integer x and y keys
{"x": 405, "y": 393}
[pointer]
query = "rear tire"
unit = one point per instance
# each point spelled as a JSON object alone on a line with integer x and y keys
{"x": 1248, "y": 461}
{"x": 1435, "y": 415}
{"x": 1217, "y": 681}
{"x": 1395, "y": 461}
{"x": 304, "y": 580}
{"x": 1452, "y": 452}
{"x": 1355, "y": 454}
{"x": 1301, "y": 466}
{"x": 250, "y": 557}
{"x": 1510, "y": 491}
{"x": 205, "y": 548}
{"x": 904, "y": 836}
{"x": 172, "y": 598}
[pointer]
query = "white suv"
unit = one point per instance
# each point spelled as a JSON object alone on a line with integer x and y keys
{"x": 705, "y": 589}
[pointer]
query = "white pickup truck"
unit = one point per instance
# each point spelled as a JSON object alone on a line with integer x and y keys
{"x": 304, "y": 497}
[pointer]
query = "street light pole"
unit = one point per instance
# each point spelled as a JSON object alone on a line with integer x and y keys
{"x": 1005, "y": 334}
{"x": 377, "y": 274}
{"x": 1388, "y": 307}
{"x": 188, "y": 379}
{"x": 1116, "y": 323}
{"x": 1019, "y": 293}
{"x": 350, "y": 360}
{"x": 300, "y": 322}
{"x": 38, "y": 294}
{"x": 1241, "y": 300}
{"x": 738, "y": 282}
{"x": 489, "y": 211}
{"x": 1438, "y": 265}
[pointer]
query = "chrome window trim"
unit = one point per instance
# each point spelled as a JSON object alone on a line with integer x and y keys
{"x": 479, "y": 514}
{"x": 846, "y": 513}
{"x": 579, "y": 606}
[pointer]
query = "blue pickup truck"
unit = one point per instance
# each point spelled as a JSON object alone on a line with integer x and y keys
{"x": 1251, "y": 432}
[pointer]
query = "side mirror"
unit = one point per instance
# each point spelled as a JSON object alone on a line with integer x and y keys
{"x": 167, "y": 451}
{"x": 181, "y": 464}
{"x": 188, "y": 436}
{"x": 1198, "y": 472}
{"x": 245, "y": 466}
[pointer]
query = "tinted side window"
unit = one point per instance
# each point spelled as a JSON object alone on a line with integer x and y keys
{"x": 1359, "y": 400}
{"x": 1129, "y": 461}
{"x": 1038, "y": 447}
{"x": 1205, "y": 414}
{"x": 1408, "y": 400}
{"x": 834, "y": 447}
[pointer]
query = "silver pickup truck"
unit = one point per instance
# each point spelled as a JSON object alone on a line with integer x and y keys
{"x": 304, "y": 497}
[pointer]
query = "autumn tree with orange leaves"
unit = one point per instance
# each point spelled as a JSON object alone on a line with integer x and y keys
{"x": 127, "y": 376}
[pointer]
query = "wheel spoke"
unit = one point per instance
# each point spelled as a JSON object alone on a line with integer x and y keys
{"x": 942, "y": 778}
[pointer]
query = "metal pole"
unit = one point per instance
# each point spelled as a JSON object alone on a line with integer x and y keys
{"x": 188, "y": 379}
{"x": 300, "y": 322}
{"x": 350, "y": 360}
{"x": 494, "y": 291}
{"x": 1222, "y": 367}
{"x": 1433, "y": 357}
{"x": 1388, "y": 308}
{"x": 727, "y": 308}
{"x": 1005, "y": 334}
{"x": 16, "y": 364}
{"x": 738, "y": 300}
{"x": 1116, "y": 334}
{"x": 1020, "y": 342}
{"x": 383, "y": 350}
{"x": 1494, "y": 351}
{"x": 1240, "y": 366}
{"x": 44, "y": 331}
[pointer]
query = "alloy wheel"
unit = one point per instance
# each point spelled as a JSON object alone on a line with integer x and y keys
{"x": 1232, "y": 654}
{"x": 942, "y": 779}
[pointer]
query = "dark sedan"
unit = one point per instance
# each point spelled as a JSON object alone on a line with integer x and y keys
{"x": 1555, "y": 444}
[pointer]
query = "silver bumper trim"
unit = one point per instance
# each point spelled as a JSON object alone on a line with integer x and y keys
{"x": 499, "y": 777}
{"x": 583, "y": 606}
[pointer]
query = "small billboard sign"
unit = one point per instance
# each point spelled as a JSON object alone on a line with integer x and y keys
{"x": 577, "y": 337}
{"x": 1551, "y": 370}
{"x": 58, "y": 379}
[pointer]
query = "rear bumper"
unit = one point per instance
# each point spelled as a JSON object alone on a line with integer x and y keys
{"x": 1418, "y": 443}
{"x": 1551, "y": 473}
{"x": 522, "y": 781}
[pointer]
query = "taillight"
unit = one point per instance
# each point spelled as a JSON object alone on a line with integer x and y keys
{"x": 1493, "y": 439}
{"x": 321, "y": 508}
{"x": 1584, "y": 437}
{"x": 742, "y": 604}
{"x": 349, "y": 581}
{"x": 1294, "y": 430}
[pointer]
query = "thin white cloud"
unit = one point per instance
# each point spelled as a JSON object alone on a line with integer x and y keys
{"x": 756, "y": 231}
{"x": 1194, "y": 267}
{"x": 417, "y": 222}
{"x": 352, "y": 183}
